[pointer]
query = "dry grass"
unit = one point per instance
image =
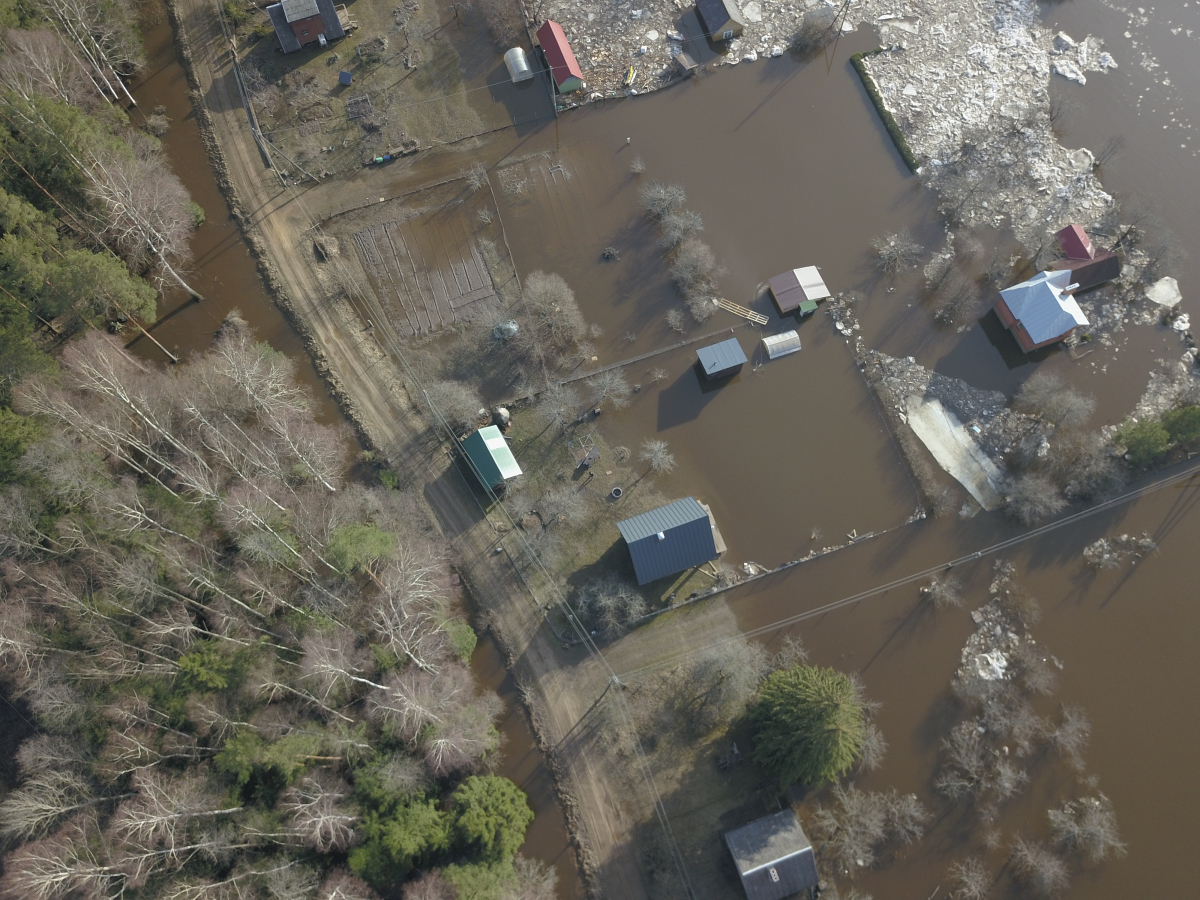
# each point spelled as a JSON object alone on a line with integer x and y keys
{"x": 414, "y": 85}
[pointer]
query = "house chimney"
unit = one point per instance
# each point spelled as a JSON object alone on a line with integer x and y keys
{"x": 1071, "y": 287}
{"x": 661, "y": 536}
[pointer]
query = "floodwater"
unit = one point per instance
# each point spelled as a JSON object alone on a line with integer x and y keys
{"x": 224, "y": 272}
{"x": 222, "y": 269}
{"x": 789, "y": 166}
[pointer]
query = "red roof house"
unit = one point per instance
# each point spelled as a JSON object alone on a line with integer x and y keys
{"x": 560, "y": 58}
{"x": 1089, "y": 265}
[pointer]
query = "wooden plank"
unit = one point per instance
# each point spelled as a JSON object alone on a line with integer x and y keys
{"x": 748, "y": 314}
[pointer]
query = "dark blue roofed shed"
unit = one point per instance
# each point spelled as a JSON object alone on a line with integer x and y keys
{"x": 669, "y": 539}
{"x": 773, "y": 857}
{"x": 721, "y": 360}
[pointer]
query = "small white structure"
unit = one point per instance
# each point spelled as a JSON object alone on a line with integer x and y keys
{"x": 517, "y": 64}
{"x": 778, "y": 345}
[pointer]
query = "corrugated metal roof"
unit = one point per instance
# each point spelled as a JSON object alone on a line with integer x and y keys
{"x": 687, "y": 539}
{"x": 1075, "y": 242}
{"x": 781, "y": 344}
{"x": 722, "y": 356}
{"x": 492, "y": 457}
{"x": 1040, "y": 305}
{"x": 295, "y": 10}
{"x": 773, "y": 856}
{"x": 558, "y": 52}
{"x": 811, "y": 283}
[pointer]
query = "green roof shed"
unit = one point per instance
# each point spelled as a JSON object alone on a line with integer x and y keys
{"x": 491, "y": 457}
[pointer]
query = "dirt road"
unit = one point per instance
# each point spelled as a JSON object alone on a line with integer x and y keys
{"x": 368, "y": 383}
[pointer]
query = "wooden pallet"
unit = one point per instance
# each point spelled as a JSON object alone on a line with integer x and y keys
{"x": 748, "y": 314}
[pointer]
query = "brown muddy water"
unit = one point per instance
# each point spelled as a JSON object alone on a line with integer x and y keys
{"x": 222, "y": 268}
{"x": 789, "y": 166}
{"x": 224, "y": 272}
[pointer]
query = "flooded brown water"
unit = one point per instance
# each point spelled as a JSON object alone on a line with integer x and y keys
{"x": 222, "y": 268}
{"x": 789, "y": 166}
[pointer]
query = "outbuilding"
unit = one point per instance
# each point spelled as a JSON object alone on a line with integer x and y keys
{"x": 669, "y": 539}
{"x": 773, "y": 857}
{"x": 490, "y": 457}
{"x": 721, "y": 360}
{"x": 298, "y": 23}
{"x": 559, "y": 57}
{"x": 778, "y": 345}
{"x": 517, "y": 64}
{"x": 798, "y": 289}
{"x": 1041, "y": 310}
{"x": 722, "y": 19}
{"x": 1091, "y": 266}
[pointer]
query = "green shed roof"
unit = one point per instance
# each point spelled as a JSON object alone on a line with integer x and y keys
{"x": 491, "y": 456}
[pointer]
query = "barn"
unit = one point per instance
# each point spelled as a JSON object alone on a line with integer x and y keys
{"x": 298, "y": 23}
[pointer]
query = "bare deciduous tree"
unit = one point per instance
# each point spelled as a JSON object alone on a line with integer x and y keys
{"x": 895, "y": 252}
{"x": 873, "y": 748}
{"x": 675, "y": 320}
{"x": 677, "y": 226}
{"x": 318, "y": 818}
{"x": 40, "y": 802}
{"x": 564, "y": 503}
{"x": 1032, "y": 496}
{"x": 1037, "y": 868}
{"x": 944, "y": 591}
{"x": 1070, "y": 736}
{"x": 1087, "y": 826}
{"x": 430, "y": 886}
{"x": 815, "y": 31}
{"x": 535, "y": 881}
{"x": 637, "y": 166}
{"x": 609, "y": 386}
{"x": 971, "y": 879}
{"x": 660, "y": 199}
{"x": 658, "y": 458}
{"x": 1045, "y": 395}
{"x": 458, "y": 404}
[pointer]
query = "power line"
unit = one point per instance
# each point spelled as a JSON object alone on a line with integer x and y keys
{"x": 926, "y": 573}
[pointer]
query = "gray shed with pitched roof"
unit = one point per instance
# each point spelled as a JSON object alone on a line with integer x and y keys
{"x": 669, "y": 539}
{"x": 773, "y": 857}
{"x": 721, "y": 360}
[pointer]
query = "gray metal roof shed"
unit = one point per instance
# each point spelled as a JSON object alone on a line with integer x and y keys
{"x": 283, "y": 14}
{"x": 773, "y": 857}
{"x": 669, "y": 539}
{"x": 720, "y": 360}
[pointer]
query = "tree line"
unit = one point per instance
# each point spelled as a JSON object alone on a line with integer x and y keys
{"x": 246, "y": 676}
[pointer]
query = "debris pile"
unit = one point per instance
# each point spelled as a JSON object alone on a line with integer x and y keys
{"x": 1109, "y": 553}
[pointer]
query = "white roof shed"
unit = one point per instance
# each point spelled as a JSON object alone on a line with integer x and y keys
{"x": 778, "y": 345}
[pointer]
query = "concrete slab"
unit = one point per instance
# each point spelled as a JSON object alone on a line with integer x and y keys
{"x": 955, "y": 450}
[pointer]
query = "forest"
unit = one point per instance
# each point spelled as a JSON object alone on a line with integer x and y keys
{"x": 245, "y": 674}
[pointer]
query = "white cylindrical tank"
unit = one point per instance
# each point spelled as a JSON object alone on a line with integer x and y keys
{"x": 518, "y": 65}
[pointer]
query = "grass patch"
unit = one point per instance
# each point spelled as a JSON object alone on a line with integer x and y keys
{"x": 857, "y": 60}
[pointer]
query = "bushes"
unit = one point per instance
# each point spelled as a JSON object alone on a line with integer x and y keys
{"x": 1144, "y": 441}
{"x": 1183, "y": 424}
{"x": 889, "y": 122}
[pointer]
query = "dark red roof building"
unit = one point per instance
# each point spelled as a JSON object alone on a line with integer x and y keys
{"x": 559, "y": 56}
{"x": 1089, "y": 265}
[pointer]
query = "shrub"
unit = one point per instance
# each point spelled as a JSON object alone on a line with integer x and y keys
{"x": 659, "y": 198}
{"x": 1032, "y": 497}
{"x": 808, "y": 725}
{"x": 1038, "y": 869}
{"x": 1144, "y": 441}
{"x": 896, "y": 251}
{"x": 1183, "y": 424}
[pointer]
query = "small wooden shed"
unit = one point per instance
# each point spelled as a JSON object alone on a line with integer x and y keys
{"x": 722, "y": 19}
{"x": 778, "y": 345}
{"x": 773, "y": 856}
{"x": 560, "y": 57}
{"x": 798, "y": 289}
{"x": 721, "y": 360}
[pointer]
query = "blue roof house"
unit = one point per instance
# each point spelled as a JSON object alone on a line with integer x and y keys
{"x": 721, "y": 360}
{"x": 669, "y": 539}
